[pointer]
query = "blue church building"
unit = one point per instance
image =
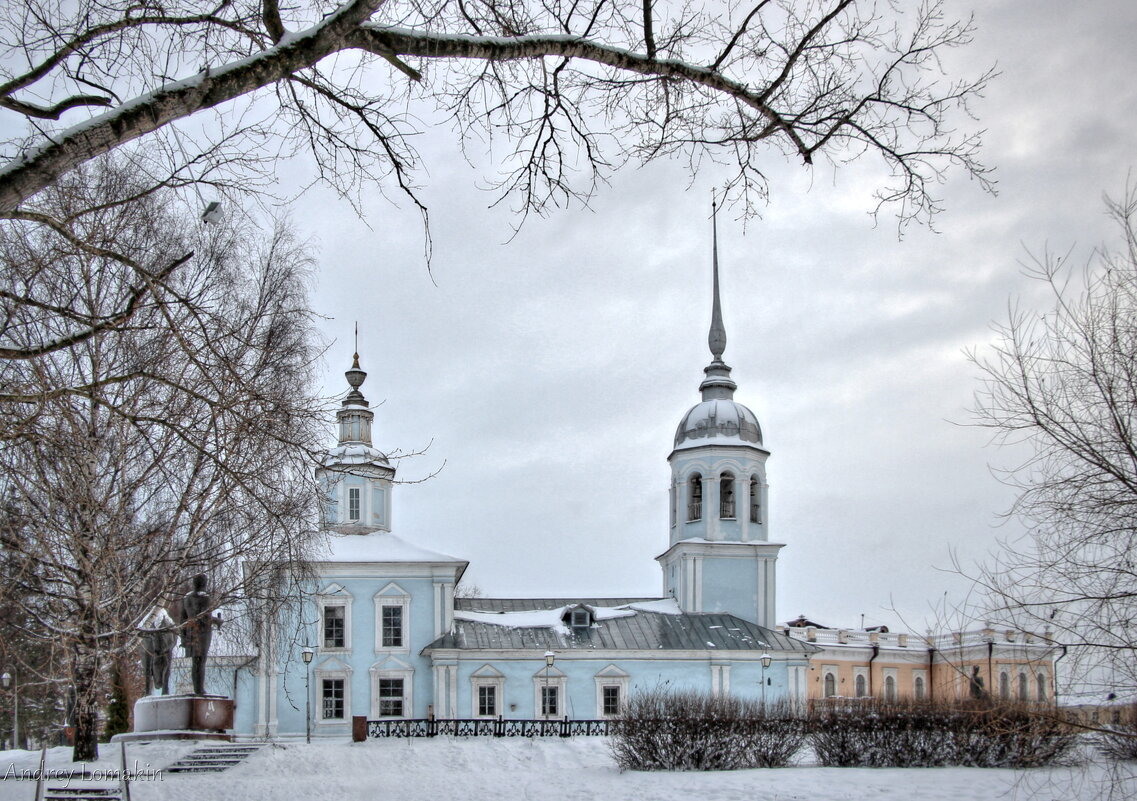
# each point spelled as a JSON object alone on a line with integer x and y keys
{"x": 390, "y": 638}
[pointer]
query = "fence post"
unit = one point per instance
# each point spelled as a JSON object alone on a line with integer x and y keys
{"x": 358, "y": 728}
{"x": 565, "y": 727}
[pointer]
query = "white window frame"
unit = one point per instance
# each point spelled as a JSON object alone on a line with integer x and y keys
{"x": 919, "y": 674}
{"x": 611, "y": 676}
{"x": 392, "y": 595}
{"x": 556, "y": 679}
{"x": 334, "y": 595}
{"x": 332, "y": 669}
{"x": 393, "y": 669}
{"x": 886, "y": 674}
{"x": 826, "y": 671}
{"x": 861, "y": 672}
{"x": 354, "y": 504}
{"x": 487, "y": 676}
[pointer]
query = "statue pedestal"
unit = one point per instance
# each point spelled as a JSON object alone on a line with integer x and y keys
{"x": 181, "y": 717}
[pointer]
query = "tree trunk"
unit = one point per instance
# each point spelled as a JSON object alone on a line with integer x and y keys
{"x": 86, "y": 680}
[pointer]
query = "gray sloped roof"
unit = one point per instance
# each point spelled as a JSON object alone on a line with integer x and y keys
{"x": 642, "y": 631}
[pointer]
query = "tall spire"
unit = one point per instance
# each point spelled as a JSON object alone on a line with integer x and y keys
{"x": 717, "y": 336}
{"x": 718, "y": 383}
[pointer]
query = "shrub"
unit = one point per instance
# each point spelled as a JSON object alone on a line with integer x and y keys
{"x": 674, "y": 730}
{"x": 878, "y": 734}
{"x": 1119, "y": 741}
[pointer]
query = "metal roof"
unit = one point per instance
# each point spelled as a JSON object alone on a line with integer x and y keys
{"x": 642, "y": 631}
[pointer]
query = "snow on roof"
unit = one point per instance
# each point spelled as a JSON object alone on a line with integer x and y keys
{"x": 554, "y": 618}
{"x": 378, "y": 546}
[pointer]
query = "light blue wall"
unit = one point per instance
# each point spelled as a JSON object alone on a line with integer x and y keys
{"x": 731, "y": 584}
{"x": 519, "y": 696}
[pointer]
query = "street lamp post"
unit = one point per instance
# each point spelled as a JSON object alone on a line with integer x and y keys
{"x": 550, "y": 657}
{"x": 766, "y": 660}
{"x": 307, "y": 655}
{"x": 8, "y": 680}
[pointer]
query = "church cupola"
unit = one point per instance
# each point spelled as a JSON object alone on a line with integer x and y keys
{"x": 354, "y": 415}
{"x": 356, "y": 476}
{"x": 720, "y": 558}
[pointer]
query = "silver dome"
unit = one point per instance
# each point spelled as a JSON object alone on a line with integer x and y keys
{"x": 723, "y": 420}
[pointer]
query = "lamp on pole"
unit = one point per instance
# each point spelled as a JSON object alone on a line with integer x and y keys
{"x": 766, "y": 660}
{"x": 550, "y": 657}
{"x": 307, "y": 655}
{"x": 8, "y": 680}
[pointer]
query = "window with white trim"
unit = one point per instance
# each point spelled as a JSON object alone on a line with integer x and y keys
{"x": 611, "y": 691}
{"x": 391, "y": 626}
{"x": 550, "y": 701}
{"x": 392, "y": 612}
{"x": 726, "y": 496}
{"x": 487, "y": 700}
{"x": 333, "y": 605}
{"x": 755, "y": 500}
{"x": 548, "y": 693}
{"x": 1040, "y": 679}
{"x": 611, "y": 700}
{"x": 695, "y": 498}
{"x": 353, "y": 513}
{"x": 332, "y": 695}
{"x": 487, "y": 692}
{"x": 333, "y": 691}
{"x": 335, "y": 631}
{"x": 391, "y": 695}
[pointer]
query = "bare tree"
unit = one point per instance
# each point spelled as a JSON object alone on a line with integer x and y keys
{"x": 1061, "y": 385}
{"x": 559, "y": 92}
{"x": 175, "y": 440}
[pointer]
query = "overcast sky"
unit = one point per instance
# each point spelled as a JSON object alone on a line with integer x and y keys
{"x": 547, "y": 373}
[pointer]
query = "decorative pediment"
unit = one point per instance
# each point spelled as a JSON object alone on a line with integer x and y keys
{"x": 335, "y": 589}
{"x": 333, "y": 664}
{"x": 553, "y": 673}
{"x": 390, "y": 663}
{"x": 487, "y": 672}
{"x": 392, "y": 592}
{"x": 612, "y": 672}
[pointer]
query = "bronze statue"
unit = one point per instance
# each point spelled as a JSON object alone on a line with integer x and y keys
{"x": 159, "y": 635}
{"x": 977, "y": 691}
{"x": 197, "y": 621}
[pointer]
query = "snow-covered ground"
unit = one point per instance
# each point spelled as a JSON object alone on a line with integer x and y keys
{"x": 548, "y": 770}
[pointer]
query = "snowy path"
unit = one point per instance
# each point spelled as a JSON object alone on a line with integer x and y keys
{"x": 540, "y": 770}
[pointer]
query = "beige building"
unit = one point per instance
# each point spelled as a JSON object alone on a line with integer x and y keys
{"x": 1007, "y": 663}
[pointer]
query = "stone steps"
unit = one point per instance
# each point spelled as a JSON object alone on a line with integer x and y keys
{"x": 83, "y": 793}
{"x": 212, "y": 758}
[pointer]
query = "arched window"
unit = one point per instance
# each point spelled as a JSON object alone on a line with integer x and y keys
{"x": 889, "y": 689}
{"x": 1041, "y": 681}
{"x": 861, "y": 685}
{"x": 755, "y": 500}
{"x": 919, "y": 688}
{"x": 695, "y": 498}
{"x": 1005, "y": 686}
{"x": 1024, "y": 686}
{"x": 726, "y": 495}
{"x": 830, "y": 685}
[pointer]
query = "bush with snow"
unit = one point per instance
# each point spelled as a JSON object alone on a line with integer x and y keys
{"x": 676, "y": 730}
{"x": 871, "y": 733}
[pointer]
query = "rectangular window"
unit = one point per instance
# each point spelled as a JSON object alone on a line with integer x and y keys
{"x": 335, "y": 634}
{"x": 392, "y": 627}
{"x": 611, "y": 699}
{"x": 549, "y": 701}
{"x": 353, "y": 503}
{"x": 487, "y": 700}
{"x": 333, "y": 699}
{"x": 391, "y": 698}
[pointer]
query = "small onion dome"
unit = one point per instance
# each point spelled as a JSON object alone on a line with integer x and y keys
{"x": 718, "y": 421}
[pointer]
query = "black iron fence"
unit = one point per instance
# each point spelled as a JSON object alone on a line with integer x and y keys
{"x": 487, "y": 727}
